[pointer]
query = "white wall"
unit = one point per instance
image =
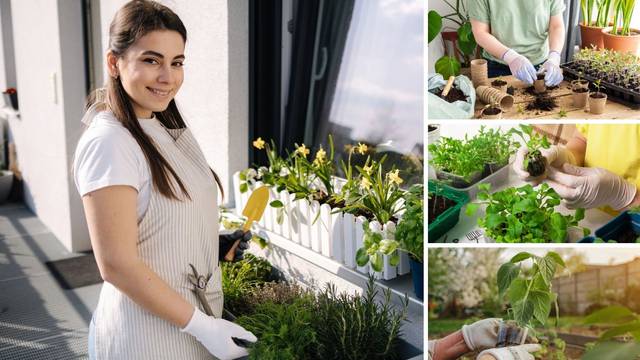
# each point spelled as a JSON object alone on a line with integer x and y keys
{"x": 215, "y": 95}
{"x": 435, "y": 48}
{"x": 50, "y": 80}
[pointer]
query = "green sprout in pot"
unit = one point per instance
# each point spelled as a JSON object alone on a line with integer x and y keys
{"x": 534, "y": 162}
{"x": 524, "y": 214}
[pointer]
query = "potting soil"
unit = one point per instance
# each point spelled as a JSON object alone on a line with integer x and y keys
{"x": 492, "y": 111}
{"x": 453, "y": 95}
{"x": 498, "y": 83}
{"x": 627, "y": 236}
{"x": 438, "y": 204}
{"x": 531, "y": 90}
{"x": 542, "y": 102}
{"x": 536, "y": 164}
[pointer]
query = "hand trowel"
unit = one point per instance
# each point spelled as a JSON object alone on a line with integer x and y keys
{"x": 253, "y": 212}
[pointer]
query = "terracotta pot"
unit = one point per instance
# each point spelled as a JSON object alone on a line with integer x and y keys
{"x": 494, "y": 116}
{"x": 580, "y": 98}
{"x": 591, "y": 35}
{"x": 597, "y": 105}
{"x": 494, "y": 96}
{"x": 479, "y": 72}
{"x": 622, "y": 43}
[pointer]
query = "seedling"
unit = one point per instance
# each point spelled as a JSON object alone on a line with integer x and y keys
{"x": 562, "y": 113}
{"x": 524, "y": 214}
{"x": 534, "y": 162}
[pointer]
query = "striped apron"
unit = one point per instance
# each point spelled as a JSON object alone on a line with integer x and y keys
{"x": 171, "y": 235}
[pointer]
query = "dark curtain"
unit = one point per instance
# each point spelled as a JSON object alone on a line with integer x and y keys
{"x": 571, "y": 20}
{"x": 265, "y": 39}
{"x": 321, "y": 28}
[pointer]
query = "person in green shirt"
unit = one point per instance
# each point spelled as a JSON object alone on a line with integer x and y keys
{"x": 520, "y": 37}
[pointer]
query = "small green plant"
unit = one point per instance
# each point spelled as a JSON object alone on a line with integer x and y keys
{"x": 241, "y": 278}
{"x": 534, "y": 162}
{"x": 529, "y": 292}
{"x": 562, "y": 113}
{"x": 623, "y": 14}
{"x": 524, "y": 214}
{"x": 623, "y": 322}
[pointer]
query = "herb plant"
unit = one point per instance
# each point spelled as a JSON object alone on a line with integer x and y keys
{"x": 242, "y": 277}
{"x": 529, "y": 292}
{"x": 524, "y": 214}
{"x": 534, "y": 162}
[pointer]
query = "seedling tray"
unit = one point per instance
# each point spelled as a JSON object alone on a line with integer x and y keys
{"x": 620, "y": 224}
{"x": 450, "y": 217}
{"x": 613, "y": 91}
{"x": 501, "y": 176}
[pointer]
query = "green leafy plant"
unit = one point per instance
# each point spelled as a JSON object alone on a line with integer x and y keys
{"x": 240, "y": 278}
{"x": 408, "y": 235}
{"x": 623, "y": 322}
{"x": 623, "y": 14}
{"x": 595, "y": 12}
{"x": 534, "y": 162}
{"x": 524, "y": 214}
{"x": 467, "y": 44}
{"x": 529, "y": 292}
{"x": 358, "y": 327}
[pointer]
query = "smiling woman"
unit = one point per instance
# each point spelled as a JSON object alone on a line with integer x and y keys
{"x": 150, "y": 201}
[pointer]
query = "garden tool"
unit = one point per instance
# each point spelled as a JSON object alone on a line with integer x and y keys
{"x": 253, "y": 212}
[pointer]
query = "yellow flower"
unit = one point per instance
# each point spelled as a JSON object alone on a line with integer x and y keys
{"x": 393, "y": 176}
{"x": 348, "y": 148}
{"x": 258, "y": 143}
{"x": 362, "y": 148}
{"x": 367, "y": 169}
{"x": 365, "y": 183}
{"x": 302, "y": 150}
{"x": 320, "y": 157}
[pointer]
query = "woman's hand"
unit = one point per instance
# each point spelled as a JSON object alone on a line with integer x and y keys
{"x": 553, "y": 74}
{"x": 228, "y": 239}
{"x": 217, "y": 335}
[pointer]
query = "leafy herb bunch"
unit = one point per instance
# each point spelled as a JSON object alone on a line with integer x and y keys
{"x": 524, "y": 214}
{"x": 534, "y": 162}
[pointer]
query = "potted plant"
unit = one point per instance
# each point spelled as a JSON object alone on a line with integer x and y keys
{"x": 595, "y": 17}
{"x": 524, "y": 214}
{"x": 621, "y": 36}
{"x": 449, "y": 65}
{"x": 444, "y": 205}
{"x": 408, "y": 238}
{"x": 534, "y": 162}
{"x": 597, "y": 100}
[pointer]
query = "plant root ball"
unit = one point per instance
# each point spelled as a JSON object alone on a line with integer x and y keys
{"x": 536, "y": 165}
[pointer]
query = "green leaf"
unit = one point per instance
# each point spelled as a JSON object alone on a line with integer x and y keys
{"x": 522, "y": 311}
{"x": 361, "y": 257}
{"x": 579, "y": 215}
{"x": 466, "y": 41}
{"x": 609, "y": 315}
{"x": 547, "y": 268}
{"x": 613, "y": 350}
{"x": 506, "y": 274}
{"x": 262, "y": 243}
{"x": 447, "y": 66}
{"x": 494, "y": 220}
{"x": 276, "y": 204}
{"x": 377, "y": 261}
{"x": 280, "y": 216}
{"x": 243, "y": 188}
{"x": 435, "y": 24}
{"x": 621, "y": 330}
{"x": 395, "y": 259}
{"x": 541, "y": 305}
{"x": 517, "y": 290}
{"x": 556, "y": 258}
{"x": 521, "y": 256}
{"x": 243, "y": 176}
{"x": 471, "y": 209}
{"x": 558, "y": 231}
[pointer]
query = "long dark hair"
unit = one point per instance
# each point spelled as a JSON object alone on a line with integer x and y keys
{"x": 134, "y": 20}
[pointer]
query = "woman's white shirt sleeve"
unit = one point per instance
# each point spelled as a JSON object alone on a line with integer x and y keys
{"x": 106, "y": 156}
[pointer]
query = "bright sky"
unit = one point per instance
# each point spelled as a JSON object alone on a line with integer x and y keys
{"x": 595, "y": 256}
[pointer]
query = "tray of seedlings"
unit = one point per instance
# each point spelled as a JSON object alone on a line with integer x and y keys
{"x": 615, "y": 74}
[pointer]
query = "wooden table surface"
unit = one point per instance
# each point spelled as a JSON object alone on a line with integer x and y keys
{"x": 564, "y": 100}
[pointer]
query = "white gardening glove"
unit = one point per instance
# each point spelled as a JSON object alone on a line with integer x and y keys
{"x": 520, "y": 352}
{"x": 481, "y": 334}
{"x": 520, "y": 66}
{"x": 582, "y": 187}
{"x": 215, "y": 335}
{"x": 553, "y": 74}
{"x": 555, "y": 155}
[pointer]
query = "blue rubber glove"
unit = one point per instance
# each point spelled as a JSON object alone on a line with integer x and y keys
{"x": 553, "y": 74}
{"x": 520, "y": 66}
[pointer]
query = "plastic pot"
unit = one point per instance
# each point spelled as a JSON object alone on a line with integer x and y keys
{"x": 591, "y": 35}
{"x": 448, "y": 219}
{"x": 458, "y": 181}
{"x": 597, "y": 103}
{"x": 619, "y": 225}
{"x": 417, "y": 275}
{"x": 622, "y": 43}
{"x": 580, "y": 98}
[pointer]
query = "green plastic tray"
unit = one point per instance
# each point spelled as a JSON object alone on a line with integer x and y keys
{"x": 449, "y": 218}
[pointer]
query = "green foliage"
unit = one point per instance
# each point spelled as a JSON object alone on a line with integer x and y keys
{"x": 284, "y": 331}
{"x": 524, "y": 214}
{"x": 623, "y": 14}
{"x": 240, "y": 278}
{"x": 448, "y": 66}
{"x": 529, "y": 293}
{"x": 466, "y": 42}
{"x": 622, "y": 321}
{"x": 466, "y": 157}
{"x": 435, "y": 25}
{"x": 358, "y": 327}
{"x": 533, "y": 141}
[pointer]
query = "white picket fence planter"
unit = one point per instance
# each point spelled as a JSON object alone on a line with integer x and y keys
{"x": 337, "y": 236}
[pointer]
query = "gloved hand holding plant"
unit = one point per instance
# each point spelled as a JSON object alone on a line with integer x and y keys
{"x": 530, "y": 160}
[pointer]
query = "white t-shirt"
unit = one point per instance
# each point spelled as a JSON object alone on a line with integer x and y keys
{"x": 108, "y": 155}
